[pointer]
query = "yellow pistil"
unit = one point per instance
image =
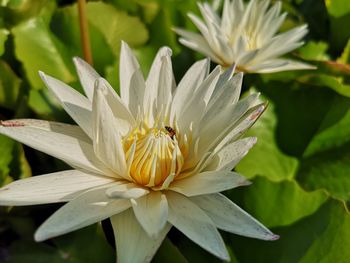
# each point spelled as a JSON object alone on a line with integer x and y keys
{"x": 153, "y": 155}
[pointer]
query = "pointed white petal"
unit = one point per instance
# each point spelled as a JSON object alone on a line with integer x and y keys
{"x": 49, "y": 188}
{"x": 136, "y": 93}
{"x": 195, "y": 224}
{"x": 202, "y": 27}
{"x": 215, "y": 130}
{"x": 208, "y": 182}
{"x": 195, "y": 107}
{"x": 228, "y": 216}
{"x": 133, "y": 243}
{"x": 242, "y": 126}
{"x": 225, "y": 95}
{"x": 126, "y": 191}
{"x": 128, "y": 66}
{"x": 106, "y": 137}
{"x": 199, "y": 43}
{"x": 87, "y": 76}
{"x": 159, "y": 85}
{"x": 188, "y": 85}
{"x": 124, "y": 119}
{"x": 152, "y": 212}
{"x": 277, "y": 65}
{"x": 66, "y": 142}
{"x": 230, "y": 155}
{"x": 208, "y": 13}
{"x": 75, "y": 104}
{"x": 88, "y": 208}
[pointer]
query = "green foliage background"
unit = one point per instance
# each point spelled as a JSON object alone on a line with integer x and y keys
{"x": 300, "y": 167}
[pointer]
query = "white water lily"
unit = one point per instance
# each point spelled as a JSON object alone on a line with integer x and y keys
{"x": 245, "y": 35}
{"x": 153, "y": 158}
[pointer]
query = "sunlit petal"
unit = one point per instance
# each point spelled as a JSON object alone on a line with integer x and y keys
{"x": 133, "y": 243}
{"x": 50, "y": 188}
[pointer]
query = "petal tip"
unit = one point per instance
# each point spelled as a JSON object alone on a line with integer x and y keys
{"x": 42, "y": 74}
{"x": 274, "y": 237}
{"x": 39, "y": 237}
{"x": 245, "y": 182}
{"x": 77, "y": 61}
{"x": 124, "y": 45}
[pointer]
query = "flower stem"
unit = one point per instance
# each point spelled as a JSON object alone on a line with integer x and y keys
{"x": 84, "y": 31}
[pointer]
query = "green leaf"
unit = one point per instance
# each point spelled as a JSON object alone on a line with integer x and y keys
{"x": 65, "y": 25}
{"x": 10, "y": 86}
{"x": 17, "y": 11}
{"x": 31, "y": 252}
{"x": 334, "y": 130}
{"x": 335, "y": 83}
{"x": 266, "y": 158}
{"x": 314, "y": 51}
{"x": 339, "y": 11}
{"x": 6, "y": 146}
{"x": 345, "y": 56}
{"x": 38, "y": 49}
{"x": 44, "y": 104}
{"x": 300, "y": 109}
{"x": 169, "y": 253}
{"x": 326, "y": 162}
{"x": 323, "y": 237}
{"x": 116, "y": 25}
{"x": 3, "y": 37}
{"x": 280, "y": 204}
{"x": 338, "y": 8}
{"x": 86, "y": 245}
{"x": 161, "y": 33}
{"x": 20, "y": 167}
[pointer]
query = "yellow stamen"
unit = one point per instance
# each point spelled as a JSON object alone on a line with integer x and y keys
{"x": 153, "y": 155}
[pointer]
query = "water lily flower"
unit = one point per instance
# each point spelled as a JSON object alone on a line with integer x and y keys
{"x": 155, "y": 157}
{"x": 245, "y": 35}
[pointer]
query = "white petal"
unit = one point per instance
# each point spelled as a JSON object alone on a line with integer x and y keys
{"x": 249, "y": 118}
{"x": 215, "y": 130}
{"x": 208, "y": 182}
{"x": 49, "y": 188}
{"x": 66, "y": 142}
{"x": 230, "y": 217}
{"x": 106, "y": 137}
{"x": 88, "y": 208}
{"x": 225, "y": 95}
{"x": 199, "y": 43}
{"x": 188, "y": 85}
{"x": 123, "y": 117}
{"x": 87, "y": 76}
{"x": 152, "y": 212}
{"x": 230, "y": 155}
{"x": 75, "y": 104}
{"x": 136, "y": 93}
{"x": 128, "y": 66}
{"x": 195, "y": 107}
{"x": 133, "y": 243}
{"x": 277, "y": 65}
{"x": 202, "y": 27}
{"x": 159, "y": 86}
{"x": 126, "y": 190}
{"x": 195, "y": 224}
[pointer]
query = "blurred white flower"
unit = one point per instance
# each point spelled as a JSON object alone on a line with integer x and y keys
{"x": 153, "y": 158}
{"x": 245, "y": 35}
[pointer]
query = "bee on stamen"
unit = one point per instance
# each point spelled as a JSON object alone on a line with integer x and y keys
{"x": 170, "y": 131}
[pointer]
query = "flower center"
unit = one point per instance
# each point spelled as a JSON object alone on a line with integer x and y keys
{"x": 153, "y": 155}
{"x": 251, "y": 41}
